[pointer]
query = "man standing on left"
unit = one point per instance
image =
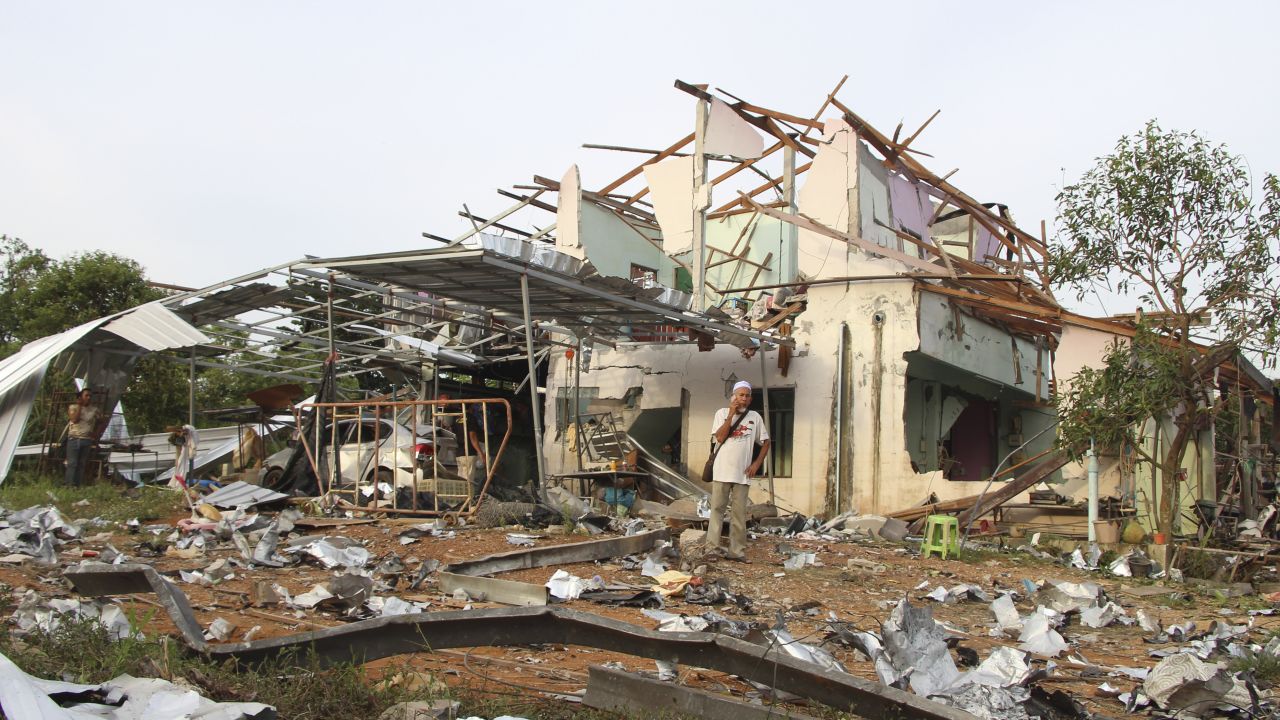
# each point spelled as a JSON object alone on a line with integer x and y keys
{"x": 82, "y": 426}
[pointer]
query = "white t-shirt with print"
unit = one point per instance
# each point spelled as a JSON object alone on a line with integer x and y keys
{"x": 739, "y": 448}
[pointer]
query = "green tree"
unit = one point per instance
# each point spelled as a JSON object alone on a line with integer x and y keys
{"x": 81, "y": 288}
{"x": 1171, "y": 218}
{"x": 20, "y": 266}
{"x": 40, "y": 296}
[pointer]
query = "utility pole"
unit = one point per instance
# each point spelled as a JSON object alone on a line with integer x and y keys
{"x": 701, "y": 201}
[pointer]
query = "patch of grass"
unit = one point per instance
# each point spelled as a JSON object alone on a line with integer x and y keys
{"x": 977, "y": 555}
{"x": 1174, "y": 600}
{"x": 1264, "y": 666}
{"x": 1198, "y": 564}
{"x": 1242, "y": 603}
{"x": 82, "y": 651}
{"x": 297, "y": 685}
{"x": 110, "y": 502}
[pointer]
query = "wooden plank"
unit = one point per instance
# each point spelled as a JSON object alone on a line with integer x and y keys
{"x": 764, "y": 123}
{"x": 528, "y": 199}
{"x": 648, "y": 217}
{"x": 736, "y": 202}
{"x": 919, "y": 511}
{"x": 677, "y": 146}
{"x": 972, "y": 297}
{"x": 1037, "y": 473}
{"x": 803, "y": 222}
{"x": 776, "y": 115}
{"x": 905, "y": 143}
{"x": 916, "y": 170}
{"x": 737, "y": 168}
{"x": 931, "y": 247}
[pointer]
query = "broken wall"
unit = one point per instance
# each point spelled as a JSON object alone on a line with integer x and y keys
{"x": 882, "y": 321}
{"x": 586, "y": 230}
{"x": 847, "y": 189}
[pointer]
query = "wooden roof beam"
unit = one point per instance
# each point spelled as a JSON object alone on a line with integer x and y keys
{"x": 668, "y": 152}
{"x": 756, "y": 191}
{"x": 763, "y": 123}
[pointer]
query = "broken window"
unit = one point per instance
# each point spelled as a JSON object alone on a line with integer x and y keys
{"x": 643, "y": 276}
{"x": 950, "y": 430}
{"x": 631, "y": 400}
{"x": 564, "y": 405}
{"x": 969, "y": 447}
{"x": 782, "y": 404}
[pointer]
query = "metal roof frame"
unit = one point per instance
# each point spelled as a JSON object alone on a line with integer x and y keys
{"x": 584, "y": 302}
{"x": 275, "y": 322}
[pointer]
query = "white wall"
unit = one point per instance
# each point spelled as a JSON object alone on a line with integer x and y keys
{"x": 883, "y": 480}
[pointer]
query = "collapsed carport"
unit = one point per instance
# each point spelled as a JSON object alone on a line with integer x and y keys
{"x": 553, "y": 299}
{"x": 103, "y": 350}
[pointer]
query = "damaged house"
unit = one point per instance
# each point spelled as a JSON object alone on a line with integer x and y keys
{"x": 924, "y": 332}
{"x": 905, "y": 332}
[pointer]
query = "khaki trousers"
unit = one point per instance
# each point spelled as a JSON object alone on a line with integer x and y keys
{"x": 471, "y": 469}
{"x": 735, "y": 495}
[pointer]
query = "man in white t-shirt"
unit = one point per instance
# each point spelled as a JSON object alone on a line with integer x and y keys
{"x": 736, "y": 462}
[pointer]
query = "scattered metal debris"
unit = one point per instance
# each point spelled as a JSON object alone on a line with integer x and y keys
{"x": 124, "y": 698}
{"x": 609, "y": 689}
{"x": 467, "y": 576}
{"x": 375, "y": 638}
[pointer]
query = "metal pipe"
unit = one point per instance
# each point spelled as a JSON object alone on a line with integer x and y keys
{"x": 1093, "y": 492}
{"x": 191, "y": 390}
{"x": 764, "y": 389}
{"x": 996, "y": 474}
{"x": 329, "y": 314}
{"x": 840, "y": 360}
{"x": 533, "y": 378}
{"x": 577, "y": 401}
{"x": 877, "y": 384}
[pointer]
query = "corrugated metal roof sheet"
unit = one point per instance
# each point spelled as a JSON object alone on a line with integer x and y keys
{"x": 241, "y": 493}
{"x": 151, "y": 327}
{"x": 154, "y": 327}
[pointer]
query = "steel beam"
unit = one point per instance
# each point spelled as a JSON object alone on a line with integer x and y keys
{"x": 467, "y": 576}
{"x": 487, "y": 589}
{"x": 560, "y": 554}
{"x": 609, "y": 689}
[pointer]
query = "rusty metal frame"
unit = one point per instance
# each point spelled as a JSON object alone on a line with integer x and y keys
{"x": 345, "y": 411}
{"x": 370, "y": 640}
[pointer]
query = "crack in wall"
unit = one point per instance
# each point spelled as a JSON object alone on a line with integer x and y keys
{"x": 641, "y": 368}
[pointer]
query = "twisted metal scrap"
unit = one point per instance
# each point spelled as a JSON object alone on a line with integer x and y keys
{"x": 381, "y": 637}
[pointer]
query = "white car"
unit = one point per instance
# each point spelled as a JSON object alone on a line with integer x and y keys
{"x": 373, "y": 450}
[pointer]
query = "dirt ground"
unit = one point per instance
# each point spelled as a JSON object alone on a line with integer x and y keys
{"x": 805, "y": 598}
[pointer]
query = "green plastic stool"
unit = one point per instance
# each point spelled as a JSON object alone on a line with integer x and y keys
{"x": 941, "y": 535}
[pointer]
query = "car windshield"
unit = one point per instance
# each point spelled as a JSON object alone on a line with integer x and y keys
{"x": 349, "y": 431}
{"x": 363, "y": 430}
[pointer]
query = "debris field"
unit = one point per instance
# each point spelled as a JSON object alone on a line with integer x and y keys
{"x": 832, "y": 598}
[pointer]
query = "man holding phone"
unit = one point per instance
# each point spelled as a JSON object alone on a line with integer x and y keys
{"x": 737, "y": 433}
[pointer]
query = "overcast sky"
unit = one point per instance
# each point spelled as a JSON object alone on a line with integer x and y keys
{"x": 208, "y": 140}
